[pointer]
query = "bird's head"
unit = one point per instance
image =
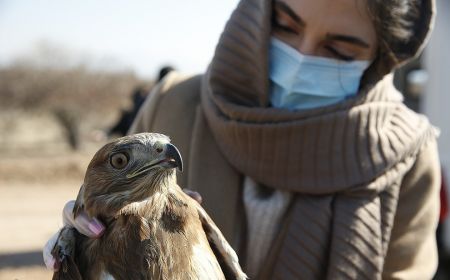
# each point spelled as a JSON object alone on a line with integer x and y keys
{"x": 129, "y": 169}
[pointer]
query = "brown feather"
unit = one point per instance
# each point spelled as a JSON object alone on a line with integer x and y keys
{"x": 63, "y": 252}
{"x": 153, "y": 229}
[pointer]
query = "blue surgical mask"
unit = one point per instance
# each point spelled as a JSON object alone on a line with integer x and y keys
{"x": 302, "y": 82}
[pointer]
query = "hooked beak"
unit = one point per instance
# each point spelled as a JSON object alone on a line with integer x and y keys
{"x": 171, "y": 158}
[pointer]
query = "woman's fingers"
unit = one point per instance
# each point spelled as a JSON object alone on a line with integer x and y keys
{"x": 195, "y": 195}
{"x": 91, "y": 227}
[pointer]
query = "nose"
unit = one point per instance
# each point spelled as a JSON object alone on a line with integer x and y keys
{"x": 307, "y": 46}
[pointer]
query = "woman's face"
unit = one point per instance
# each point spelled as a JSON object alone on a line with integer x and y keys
{"x": 340, "y": 29}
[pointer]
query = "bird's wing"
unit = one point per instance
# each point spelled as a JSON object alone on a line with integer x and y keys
{"x": 224, "y": 252}
{"x": 64, "y": 252}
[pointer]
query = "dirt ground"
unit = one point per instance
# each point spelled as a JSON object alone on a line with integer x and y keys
{"x": 33, "y": 191}
{"x": 36, "y": 180}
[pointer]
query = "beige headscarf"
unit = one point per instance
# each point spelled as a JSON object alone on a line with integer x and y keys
{"x": 344, "y": 162}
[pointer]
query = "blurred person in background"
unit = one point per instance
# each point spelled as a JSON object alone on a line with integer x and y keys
{"x": 301, "y": 147}
{"x": 127, "y": 116}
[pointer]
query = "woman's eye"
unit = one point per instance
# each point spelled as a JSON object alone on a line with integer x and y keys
{"x": 119, "y": 160}
{"x": 278, "y": 26}
{"x": 339, "y": 55}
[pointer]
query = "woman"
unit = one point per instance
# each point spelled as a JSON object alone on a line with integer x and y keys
{"x": 299, "y": 144}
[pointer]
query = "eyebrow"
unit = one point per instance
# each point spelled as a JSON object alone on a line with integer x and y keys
{"x": 335, "y": 37}
{"x": 348, "y": 39}
{"x": 285, "y": 8}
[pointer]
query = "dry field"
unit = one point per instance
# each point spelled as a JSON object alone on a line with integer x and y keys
{"x": 38, "y": 170}
{"x": 38, "y": 174}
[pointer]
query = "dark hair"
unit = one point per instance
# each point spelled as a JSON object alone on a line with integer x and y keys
{"x": 398, "y": 26}
{"x": 164, "y": 71}
{"x": 394, "y": 22}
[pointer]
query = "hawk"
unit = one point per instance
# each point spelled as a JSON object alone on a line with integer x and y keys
{"x": 153, "y": 229}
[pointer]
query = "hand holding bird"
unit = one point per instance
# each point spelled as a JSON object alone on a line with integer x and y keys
{"x": 153, "y": 229}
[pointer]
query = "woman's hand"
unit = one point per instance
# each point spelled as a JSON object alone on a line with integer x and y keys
{"x": 90, "y": 227}
{"x": 195, "y": 195}
{"x": 82, "y": 223}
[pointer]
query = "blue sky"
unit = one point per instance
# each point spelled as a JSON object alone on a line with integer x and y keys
{"x": 138, "y": 34}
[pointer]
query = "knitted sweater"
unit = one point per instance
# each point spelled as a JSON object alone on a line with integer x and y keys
{"x": 363, "y": 174}
{"x": 411, "y": 249}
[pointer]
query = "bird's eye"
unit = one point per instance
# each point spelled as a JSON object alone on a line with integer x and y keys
{"x": 119, "y": 161}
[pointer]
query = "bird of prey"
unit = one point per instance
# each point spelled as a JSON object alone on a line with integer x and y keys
{"x": 153, "y": 229}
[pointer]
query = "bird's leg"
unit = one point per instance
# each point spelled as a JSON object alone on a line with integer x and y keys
{"x": 64, "y": 254}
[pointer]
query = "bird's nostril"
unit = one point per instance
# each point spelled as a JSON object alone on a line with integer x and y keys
{"x": 159, "y": 150}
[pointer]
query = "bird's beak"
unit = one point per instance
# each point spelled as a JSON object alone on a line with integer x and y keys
{"x": 170, "y": 158}
{"x": 174, "y": 157}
